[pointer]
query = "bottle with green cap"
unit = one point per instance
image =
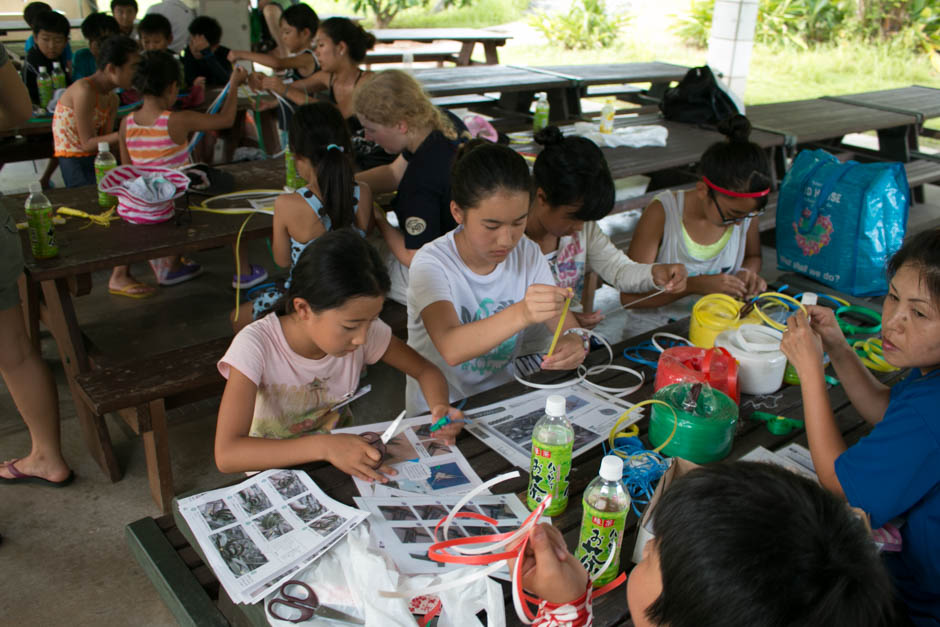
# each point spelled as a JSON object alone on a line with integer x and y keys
{"x": 104, "y": 163}
{"x": 552, "y": 443}
{"x": 606, "y": 505}
{"x": 39, "y": 223}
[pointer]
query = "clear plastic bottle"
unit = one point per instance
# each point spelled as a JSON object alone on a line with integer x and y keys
{"x": 606, "y": 505}
{"x": 292, "y": 179}
{"x": 607, "y": 116}
{"x": 104, "y": 163}
{"x": 540, "y": 120}
{"x": 552, "y": 442}
{"x": 58, "y": 76}
{"x": 39, "y": 223}
{"x": 44, "y": 85}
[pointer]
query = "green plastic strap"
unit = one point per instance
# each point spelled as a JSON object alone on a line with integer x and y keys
{"x": 865, "y": 312}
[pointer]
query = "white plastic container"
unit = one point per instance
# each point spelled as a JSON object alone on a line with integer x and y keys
{"x": 757, "y": 351}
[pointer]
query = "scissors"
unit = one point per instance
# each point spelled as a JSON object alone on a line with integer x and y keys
{"x": 308, "y": 605}
{"x": 380, "y": 441}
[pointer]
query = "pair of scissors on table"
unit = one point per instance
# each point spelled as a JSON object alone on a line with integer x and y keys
{"x": 380, "y": 441}
{"x": 307, "y": 603}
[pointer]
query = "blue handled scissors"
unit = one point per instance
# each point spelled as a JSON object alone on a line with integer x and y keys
{"x": 308, "y": 605}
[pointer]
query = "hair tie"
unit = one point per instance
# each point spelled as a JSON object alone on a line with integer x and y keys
{"x": 334, "y": 147}
{"x": 728, "y": 192}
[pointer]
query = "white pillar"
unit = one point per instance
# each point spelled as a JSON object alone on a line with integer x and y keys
{"x": 731, "y": 41}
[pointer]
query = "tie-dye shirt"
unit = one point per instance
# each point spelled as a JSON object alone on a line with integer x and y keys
{"x": 295, "y": 394}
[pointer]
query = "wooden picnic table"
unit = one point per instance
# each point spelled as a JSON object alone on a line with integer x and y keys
{"x": 166, "y": 550}
{"x": 467, "y": 37}
{"x": 826, "y": 120}
{"x": 657, "y": 73}
{"x": 48, "y": 286}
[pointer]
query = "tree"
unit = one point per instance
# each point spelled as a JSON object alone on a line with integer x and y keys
{"x": 386, "y": 10}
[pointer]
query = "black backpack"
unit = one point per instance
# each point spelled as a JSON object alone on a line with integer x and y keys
{"x": 697, "y": 99}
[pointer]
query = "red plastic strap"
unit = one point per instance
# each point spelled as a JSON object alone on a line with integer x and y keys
{"x": 424, "y": 620}
{"x": 728, "y": 192}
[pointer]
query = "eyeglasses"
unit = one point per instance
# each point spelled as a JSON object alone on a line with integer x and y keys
{"x": 733, "y": 219}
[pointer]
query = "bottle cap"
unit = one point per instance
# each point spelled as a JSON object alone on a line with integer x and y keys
{"x": 35, "y": 187}
{"x": 55, "y": 64}
{"x": 555, "y": 405}
{"x": 809, "y": 298}
{"x": 104, "y": 147}
{"x": 611, "y": 468}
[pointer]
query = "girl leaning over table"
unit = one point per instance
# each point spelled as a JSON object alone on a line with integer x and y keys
{"x": 475, "y": 289}
{"x": 711, "y": 229}
{"x": 287, "y": 370}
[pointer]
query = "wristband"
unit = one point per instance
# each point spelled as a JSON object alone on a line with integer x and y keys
{"x": 865, "y": 312}
{"x": 584, "y": 335}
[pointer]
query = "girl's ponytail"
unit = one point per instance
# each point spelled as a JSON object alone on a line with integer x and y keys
{"x": 335, "y": 177}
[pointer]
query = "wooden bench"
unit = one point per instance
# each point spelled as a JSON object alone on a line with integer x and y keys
{"x": 428, "y": 53}
{"x": 141, "y": 391}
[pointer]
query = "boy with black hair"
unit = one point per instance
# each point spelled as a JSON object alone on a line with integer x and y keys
{"x": 51, "y": 33}
{"x": 125, "y": 12}
{"x": 95, "y": 29}
{"x": 155, "y": 32}
{"x": 29, "y": 15}
{"x": 205, "y": 56}
{"x": 740, "y": 544}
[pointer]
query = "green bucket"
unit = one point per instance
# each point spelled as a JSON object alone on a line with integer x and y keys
{"x": 706, "y": 422}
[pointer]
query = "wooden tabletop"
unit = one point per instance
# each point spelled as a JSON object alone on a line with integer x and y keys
{"x": 916, "y": 99}
{"x": 819, "y": 119}
{"x": 609, "y": 73}
{"x": 612, "y": 608}
{"x": 84, "y": 248}
{"x": 388, "y": 35}
{"x": 480, "y": 79}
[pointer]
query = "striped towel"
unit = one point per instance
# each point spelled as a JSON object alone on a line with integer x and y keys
{"x": 140, "y": 210}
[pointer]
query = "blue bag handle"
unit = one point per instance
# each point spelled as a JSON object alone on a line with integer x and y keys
{"x": 823, "y": 194}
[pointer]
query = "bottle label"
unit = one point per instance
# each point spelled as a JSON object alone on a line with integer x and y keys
{"x": 601, "y": 532}
{"x": 548, "y": 474}
{"x": 41, "y": 232}
{"x": 104, "y": 200}
{"x": 293, "y": 179}
{"x": 44, "y": 85}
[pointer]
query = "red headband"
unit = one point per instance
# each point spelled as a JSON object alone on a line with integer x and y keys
{"x": 728, "y": 192}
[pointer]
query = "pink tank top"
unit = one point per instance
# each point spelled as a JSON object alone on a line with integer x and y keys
{"x": 152, "y": 145}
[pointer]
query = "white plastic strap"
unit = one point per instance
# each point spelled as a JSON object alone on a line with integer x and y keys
{"x": 667, "y": 336}
{"x": 753, "y": 330}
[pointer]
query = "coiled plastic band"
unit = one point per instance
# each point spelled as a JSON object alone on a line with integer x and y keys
{"x": 614, "y": 434}
{"x": 865, "y": 312}
{"x": 778, "y": 298}
{"x": 835, "y": 300}
{"x": 871, "y": 352}
{"x": 668, "y": 336}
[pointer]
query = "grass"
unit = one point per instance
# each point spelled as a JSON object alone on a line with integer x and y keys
{"x": 480, "y": 14}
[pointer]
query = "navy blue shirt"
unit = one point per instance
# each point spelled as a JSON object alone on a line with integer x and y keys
{"x": 895, "y": 472}
{"x": 423, "y": 200}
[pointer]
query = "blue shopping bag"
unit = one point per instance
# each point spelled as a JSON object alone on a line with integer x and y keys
{"x": 839, "y": 223}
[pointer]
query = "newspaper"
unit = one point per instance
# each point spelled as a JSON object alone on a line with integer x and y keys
{"x": 793, "y": 457}
{"x": 507, "y": 426}
{"x": 258, "y": 533}
{"x": 404, "y": 527}
{"x": 424, "y": 463}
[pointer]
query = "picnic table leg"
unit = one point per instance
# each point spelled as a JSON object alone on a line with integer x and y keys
{"x": 152, "y": 421}
{"x": 492, "y": 55}
{"x": 58, "y": 314}
{"x": 29, "y": 299}
{"x": 894, "y": 143}
{"x": 466, "y": 51}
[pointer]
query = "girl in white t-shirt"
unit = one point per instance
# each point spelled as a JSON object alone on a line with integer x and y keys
{"x": 574, "y": 189}
{"x": 286, "y": 372}
{"x": 711, "y": 229}
{"x": 474, "y": 290}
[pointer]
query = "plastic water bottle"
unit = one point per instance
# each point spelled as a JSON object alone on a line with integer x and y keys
{"x": 58, "y": 76}
{"x": 293, "y": 180}
{"x": 44, "y": 85}
{"x": 606, "y": 504}
{"x": 540, "y": 120}
{"x": 607, "y": 116}
{"x": 552, "y": 441}
{"x": 39, "y": 223}
{"x": 104, "y": 163}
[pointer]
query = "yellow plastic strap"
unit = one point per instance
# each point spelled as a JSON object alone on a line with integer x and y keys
{"x": 102, "y": 219}
{"x": 873, "y": 359}
{"x": 778, "y": 298}
{"x": 561, "y": 325}
{"x": 634, "y": 430}
{"x": 238, "y": 266}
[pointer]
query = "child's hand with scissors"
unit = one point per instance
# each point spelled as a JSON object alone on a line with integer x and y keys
{"x": 354, "y": 456}
{"x": 449, "y": 430}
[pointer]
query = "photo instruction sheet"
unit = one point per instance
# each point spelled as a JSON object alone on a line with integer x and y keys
{"x": 507, "y": 426}
{"x": 793, "y": 457}
{"x": 404, "y": 527}
{"x": 260, "y": 532}
{"x": 424, "y": 463}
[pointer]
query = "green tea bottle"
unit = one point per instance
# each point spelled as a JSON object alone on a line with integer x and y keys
{"x": 39, "y": 223}
{"x": 552, "y": 442}
{"x": 104, "y": 163}
{"x": 44, "y": 85}
{"x": 606, "y": 505}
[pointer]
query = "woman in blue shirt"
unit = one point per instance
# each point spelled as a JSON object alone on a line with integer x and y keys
{"x": 894, "y": 472}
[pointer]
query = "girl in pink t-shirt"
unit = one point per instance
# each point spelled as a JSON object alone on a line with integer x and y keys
{"x": 286, "y": 371}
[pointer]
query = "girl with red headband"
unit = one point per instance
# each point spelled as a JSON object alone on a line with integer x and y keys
{"x": 711, "y": 229}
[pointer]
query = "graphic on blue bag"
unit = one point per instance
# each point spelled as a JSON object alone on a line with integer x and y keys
{"x": 839, "y": 223}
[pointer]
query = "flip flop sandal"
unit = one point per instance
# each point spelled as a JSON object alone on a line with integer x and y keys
{"x": 134, "y": 290}
{"x": 19, "y": 477}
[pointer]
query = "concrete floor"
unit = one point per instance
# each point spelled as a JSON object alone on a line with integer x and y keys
{"x": 63, "y": 551}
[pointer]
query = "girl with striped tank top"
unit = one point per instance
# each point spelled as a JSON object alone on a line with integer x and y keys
{"x": 332, "y": 199}
{"x": 155, "y": 135}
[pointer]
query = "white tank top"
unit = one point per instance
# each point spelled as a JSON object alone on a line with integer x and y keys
{"x": 673, "y": 249}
